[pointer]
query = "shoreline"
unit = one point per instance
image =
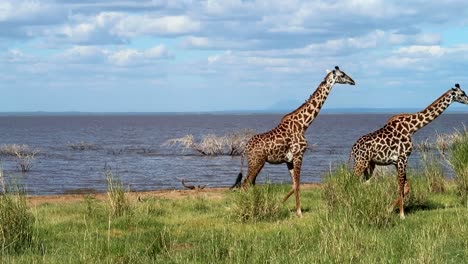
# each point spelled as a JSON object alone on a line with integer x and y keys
{"x": 208, "y": 192}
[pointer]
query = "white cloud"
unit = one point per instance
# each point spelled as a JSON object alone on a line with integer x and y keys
{"x": 127, "y": 57}
{"x": 84, "y": 54}
{"x": 196, "y": 42}
{"x": 118, "y": 28}
{"x": 17, "y": 10}
{"x": 435, "y": 51}
{"x": 130, "y": 26}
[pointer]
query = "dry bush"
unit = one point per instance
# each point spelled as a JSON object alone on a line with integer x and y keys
{"x": 231, "y": 144}
{"x": 236, "y": 141}
{"x": 22, "y": 154}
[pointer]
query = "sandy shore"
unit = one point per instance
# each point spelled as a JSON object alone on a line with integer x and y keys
{"x": 210, "y": 193}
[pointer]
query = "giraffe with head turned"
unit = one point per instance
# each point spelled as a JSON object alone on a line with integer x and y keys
{"x": 392, "y": 144}
{"x": 286, "y": 143}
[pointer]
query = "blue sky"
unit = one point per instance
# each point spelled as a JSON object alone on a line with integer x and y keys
{"x": 188, "y": 55}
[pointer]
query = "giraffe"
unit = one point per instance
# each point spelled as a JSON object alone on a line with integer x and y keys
{"x": 286, "y": 143}
{"x": 392, "y": 144}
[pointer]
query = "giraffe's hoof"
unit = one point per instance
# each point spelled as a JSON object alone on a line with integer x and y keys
{"x": 402, "y": 216}
{"x": 299, "y": 213}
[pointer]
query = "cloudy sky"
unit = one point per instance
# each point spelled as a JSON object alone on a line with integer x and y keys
{"x": 188, "y": 55}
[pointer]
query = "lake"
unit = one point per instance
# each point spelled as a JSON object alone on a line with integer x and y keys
{"x": 132, "y": 146}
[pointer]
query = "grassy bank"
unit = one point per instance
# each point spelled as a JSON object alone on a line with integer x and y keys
{"x": 345, "y": 220}
{"x": 206, "y": 230}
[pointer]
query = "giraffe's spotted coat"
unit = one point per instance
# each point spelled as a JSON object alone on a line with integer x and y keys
{"x": 286, "y": 143}
{"x": 392, "y": 144}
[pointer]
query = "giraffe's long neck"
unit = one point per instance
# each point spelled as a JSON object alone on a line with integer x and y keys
{"x": 427, "y": 115}
{"x": 307, "y": 112}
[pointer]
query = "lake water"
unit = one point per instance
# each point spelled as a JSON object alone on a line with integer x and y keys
{"x": 132, "y": 145}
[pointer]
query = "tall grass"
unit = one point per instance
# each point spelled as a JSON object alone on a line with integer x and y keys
{"x": 117, "y": 197}
{"x": 370, "y": 203}
{"x": 431, "y": 166}
{"x": 258, "y": 203}
{"x": 16, "y": 220}
{"x": 459, "y": 161}
{"x": 362, "y": 203}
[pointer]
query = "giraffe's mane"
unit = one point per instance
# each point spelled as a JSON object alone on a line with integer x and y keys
{"x": 437, "y": 100}
{"x": 397, "y": 117}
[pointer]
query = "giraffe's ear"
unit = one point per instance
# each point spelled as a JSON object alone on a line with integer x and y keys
{"x": 328, "y": 71}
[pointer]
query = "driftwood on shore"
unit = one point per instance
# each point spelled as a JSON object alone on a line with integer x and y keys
{"x": 193, "y": 187}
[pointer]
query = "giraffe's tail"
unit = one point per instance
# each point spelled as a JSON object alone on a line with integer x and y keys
{"x": 237, "y": 184}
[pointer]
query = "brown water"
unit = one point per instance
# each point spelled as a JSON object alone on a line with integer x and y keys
{"x": 132, "y": 146}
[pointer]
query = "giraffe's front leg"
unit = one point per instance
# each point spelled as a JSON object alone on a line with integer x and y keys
{"x": 296, "y": 183}
{"x": 403, "y": 187}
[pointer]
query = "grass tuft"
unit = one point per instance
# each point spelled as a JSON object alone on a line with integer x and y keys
{"x": 117, "y": 197}
{"x": 459, "y": 161}
{"x": 361, "y": 203}
{"x": 16, "y": 221}
{"x": 258, "y": 203}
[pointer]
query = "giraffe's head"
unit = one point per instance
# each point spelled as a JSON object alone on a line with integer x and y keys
{"x": 340, "y": 76}
{"x": 458, "y": 95}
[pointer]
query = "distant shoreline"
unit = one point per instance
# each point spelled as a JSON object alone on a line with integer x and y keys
{"x": 343, "y": 111}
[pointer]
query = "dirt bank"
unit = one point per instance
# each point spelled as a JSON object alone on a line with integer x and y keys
{"x": 210, "y": 193}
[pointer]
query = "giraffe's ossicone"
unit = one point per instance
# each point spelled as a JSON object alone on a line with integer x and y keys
{"x": 286, "y": 143}
{"x": 392, "y": 144}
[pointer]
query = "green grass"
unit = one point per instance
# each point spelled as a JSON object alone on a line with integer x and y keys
{"x": 459, "y": 162}
{"x": 16, "y": 221}
{"x": 203, "y": 230}
{"x": 258, "y": 203}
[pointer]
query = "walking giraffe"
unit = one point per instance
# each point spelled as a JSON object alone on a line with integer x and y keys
{"x": 286, "y": 143}
{"x": 392, "y": 143}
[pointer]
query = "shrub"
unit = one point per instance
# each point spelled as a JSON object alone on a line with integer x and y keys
{"x": 117, "y": 197}
{"x": 258, "y": 203}
{"x": 16, "y": 222}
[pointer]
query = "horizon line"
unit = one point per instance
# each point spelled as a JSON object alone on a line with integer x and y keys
{"x": 369, "y": 110}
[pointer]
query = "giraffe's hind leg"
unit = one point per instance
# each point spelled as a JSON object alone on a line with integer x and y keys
{"x": 403, "y": 186}
{"x": 291, "y": 172}
{"x": 295, "y": 170}
{"x": 369, "y": 171}
{"x": 254, "y": 167}
{"x": 360, "y": 167}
